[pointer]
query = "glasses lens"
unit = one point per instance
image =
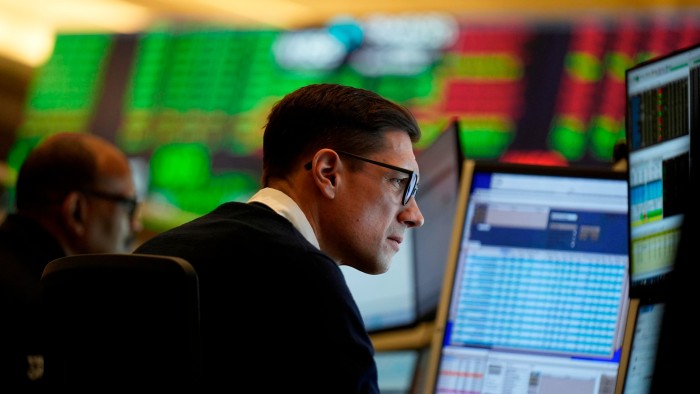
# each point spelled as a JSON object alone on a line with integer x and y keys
{"x": 131, "y": 207}
{"x": 129, "y": 204}
{"x": 411, "y": 188}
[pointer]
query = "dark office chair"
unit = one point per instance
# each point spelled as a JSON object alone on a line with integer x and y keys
{"x": 121, "y": 321}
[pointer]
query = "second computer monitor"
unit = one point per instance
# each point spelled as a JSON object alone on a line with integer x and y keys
{"x": 536, "y": 288}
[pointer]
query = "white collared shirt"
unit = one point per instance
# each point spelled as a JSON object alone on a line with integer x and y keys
{"x": 285, "y": 206}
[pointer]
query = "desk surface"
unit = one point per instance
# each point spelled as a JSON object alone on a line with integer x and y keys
{"x": 411, "y": 338}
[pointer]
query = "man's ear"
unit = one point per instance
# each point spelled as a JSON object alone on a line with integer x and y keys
{"x": 74, "y": 212}
{"x": 325, "y": 168}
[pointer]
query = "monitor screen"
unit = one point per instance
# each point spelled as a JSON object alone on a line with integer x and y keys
{"x": 662, "y": 120}
{"x": 408, "y": 293}
{"x": 535, "y": 294}
{"x": 663, "y": 114}
{"x": 386, "y": 301}
{"x": 396, "y": 369}
{"x": 440, "y": 166}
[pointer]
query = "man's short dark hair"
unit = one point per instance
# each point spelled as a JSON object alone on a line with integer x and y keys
{"x": 329, "y": 116}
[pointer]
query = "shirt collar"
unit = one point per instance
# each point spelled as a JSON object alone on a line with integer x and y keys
{"x": 285, "y": 206}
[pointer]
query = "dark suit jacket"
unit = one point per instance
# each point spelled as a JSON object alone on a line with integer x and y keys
{"x": 276, "y": 312}
{"x": 25, "y": 249}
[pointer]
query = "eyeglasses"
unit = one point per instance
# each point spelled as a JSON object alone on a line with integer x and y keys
{"x": 129, "y": 203}
{"x": 411, "y": 185}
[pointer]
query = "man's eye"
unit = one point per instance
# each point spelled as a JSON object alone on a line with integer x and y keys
{"x": 400, "y": 182}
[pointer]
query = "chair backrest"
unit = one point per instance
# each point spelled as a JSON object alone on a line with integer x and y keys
{"x": 121, "y": 321}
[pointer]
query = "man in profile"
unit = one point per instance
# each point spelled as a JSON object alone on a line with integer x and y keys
{"x": 339, "y": 183}
{"x": 74, "y": 194}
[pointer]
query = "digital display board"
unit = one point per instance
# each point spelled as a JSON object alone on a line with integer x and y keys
{"x": 191, "y": 103}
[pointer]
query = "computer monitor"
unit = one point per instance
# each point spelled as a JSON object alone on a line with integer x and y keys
{"x": 408, "y": 293}
{"x": 663, "y": 114}
{"x": 535, "y": 295}
{"x": 387, "y": 301}
{"x": 440, "y": 166}
{"x": 662, "y": 121}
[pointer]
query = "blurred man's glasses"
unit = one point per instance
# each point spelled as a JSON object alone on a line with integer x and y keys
{"x": 129, "y": 203}
{"x": 411, "y": 184}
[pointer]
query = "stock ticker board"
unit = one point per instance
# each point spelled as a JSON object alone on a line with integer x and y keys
{"x": 189, "y": 105}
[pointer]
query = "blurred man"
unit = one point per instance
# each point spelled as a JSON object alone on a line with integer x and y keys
{"x": 74, "y": 194}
